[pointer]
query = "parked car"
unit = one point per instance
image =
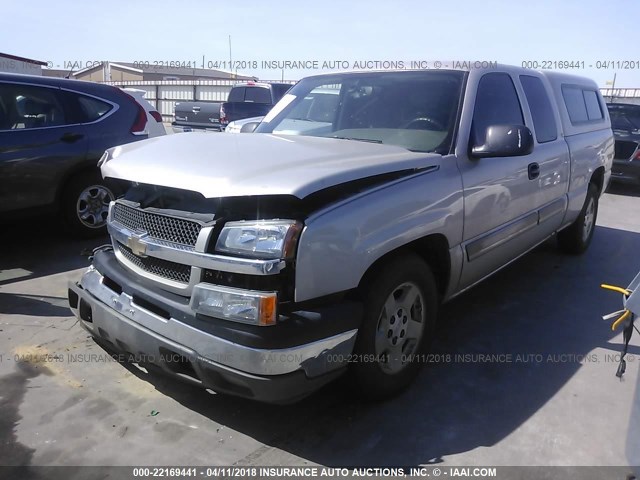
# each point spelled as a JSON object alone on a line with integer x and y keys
{"x": 155, "y": 127}
{"x": 267, "y": 265}
{"x": 52, "y": 134}
{"x": 625, "y": 122}
{"x": 248, "y": 99}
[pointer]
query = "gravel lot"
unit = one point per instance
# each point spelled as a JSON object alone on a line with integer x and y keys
{"x": 64, "y": 401}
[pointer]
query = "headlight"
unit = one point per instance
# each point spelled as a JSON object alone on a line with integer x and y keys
{"x": 260, "y": 239}
{"x": 238, "y": 305}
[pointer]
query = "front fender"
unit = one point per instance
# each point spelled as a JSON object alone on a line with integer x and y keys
{"x": 341, "y": 242}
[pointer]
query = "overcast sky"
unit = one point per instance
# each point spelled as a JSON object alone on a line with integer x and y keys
{"x": 69, "y": 32}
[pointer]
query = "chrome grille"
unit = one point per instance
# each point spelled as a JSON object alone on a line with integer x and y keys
{"x": 170, "y": 229}
{"x": 156, "y": 266}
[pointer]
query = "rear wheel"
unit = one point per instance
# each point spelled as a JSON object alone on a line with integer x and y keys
{"x": 576, "y": 238}
{"x": 85, "y": 205}
{"x": 400, "y": 313}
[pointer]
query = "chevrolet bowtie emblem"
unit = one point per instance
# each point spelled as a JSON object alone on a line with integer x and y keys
{"x": 137, "y": 244}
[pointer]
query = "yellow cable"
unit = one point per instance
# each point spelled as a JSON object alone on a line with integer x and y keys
{"x": 621, "y": 290}
{"x": 622, "y": 318}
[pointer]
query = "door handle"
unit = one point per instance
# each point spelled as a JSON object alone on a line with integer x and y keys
{"x": 195, "y": 109}
{"x": 71, "y": 137}
{"x": 534, "y": 171}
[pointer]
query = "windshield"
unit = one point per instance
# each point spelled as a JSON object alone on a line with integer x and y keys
{"x": 414, "y": 110}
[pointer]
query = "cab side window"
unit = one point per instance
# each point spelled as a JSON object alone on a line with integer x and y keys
{"x": 496, "y": 104}
{"x": 544, "y": 121}
{"x": 27, "y": 107}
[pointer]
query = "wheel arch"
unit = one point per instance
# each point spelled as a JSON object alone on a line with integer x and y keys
{"x": 433, "y": 249}
{"x": 69, "y": 176}
{"x": 597, "y": 178}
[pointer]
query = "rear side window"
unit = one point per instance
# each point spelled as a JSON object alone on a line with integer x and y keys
{"x": 257, "y": 95}
{"x": 92, "y": 108}
{"x": 574, "y": 101}
{"x": 594, "y": 112}
{"x": 544, "y": 121}
{"x": 26, "y": 107}
{"x": 496, "y": 104}
{"x": 582, "y": 104}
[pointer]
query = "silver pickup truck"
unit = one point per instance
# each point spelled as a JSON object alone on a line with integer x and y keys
{"x": 265, "y": 265}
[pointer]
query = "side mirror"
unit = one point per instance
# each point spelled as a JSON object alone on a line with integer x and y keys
{"x": 249, "y": 127}
{"x": 505, "y": 141}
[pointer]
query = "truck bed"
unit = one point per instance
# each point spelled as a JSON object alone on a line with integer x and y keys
{"x": 197, "y": 116}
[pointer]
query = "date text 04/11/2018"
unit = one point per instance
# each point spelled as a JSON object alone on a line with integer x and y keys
{"x": 312, "y": 472}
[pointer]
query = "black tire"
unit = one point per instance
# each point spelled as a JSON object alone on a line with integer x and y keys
{"x": 575, "y": 239}
{"x": 372, "y": 376}
{"x": 86, "y": 192}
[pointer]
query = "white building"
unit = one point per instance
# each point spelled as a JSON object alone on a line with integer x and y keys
{"x": 15, "y": 64}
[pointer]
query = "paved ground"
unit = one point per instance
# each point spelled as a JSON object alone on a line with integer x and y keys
{"x": 542, "y": 410}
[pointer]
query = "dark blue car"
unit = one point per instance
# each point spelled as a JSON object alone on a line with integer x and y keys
{"x": 625, "y": 123}
{"x": 52, "y": 133}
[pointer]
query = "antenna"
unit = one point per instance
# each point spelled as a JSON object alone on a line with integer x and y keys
{"x": 613, "y": 86}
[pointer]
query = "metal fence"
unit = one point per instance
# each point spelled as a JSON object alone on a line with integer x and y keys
{"x": 164, "y": 94}
{"x": 621, "y": 95}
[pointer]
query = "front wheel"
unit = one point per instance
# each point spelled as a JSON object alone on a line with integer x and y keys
{"x": 85, "y": 205}
{"x": 576, "y": 238}
{"x": 400, "y": 313}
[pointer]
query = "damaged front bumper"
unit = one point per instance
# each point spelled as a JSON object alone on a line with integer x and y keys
{"x": 280, "y": 370}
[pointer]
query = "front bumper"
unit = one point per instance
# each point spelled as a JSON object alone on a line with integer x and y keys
{"x": 275, "y": 375}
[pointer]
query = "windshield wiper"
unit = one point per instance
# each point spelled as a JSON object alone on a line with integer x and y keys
{"x": 369, "y": 140}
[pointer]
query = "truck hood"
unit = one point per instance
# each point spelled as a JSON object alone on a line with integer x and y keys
{"x": 219, "y": 165}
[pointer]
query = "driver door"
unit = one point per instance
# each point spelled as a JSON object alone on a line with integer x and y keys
{"x": 500, "y": 197}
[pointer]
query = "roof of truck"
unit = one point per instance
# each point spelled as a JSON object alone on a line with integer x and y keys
{"x": 472, "y": 65}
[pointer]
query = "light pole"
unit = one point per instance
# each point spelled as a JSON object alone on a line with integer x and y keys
{"x": 230, "y": 61}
